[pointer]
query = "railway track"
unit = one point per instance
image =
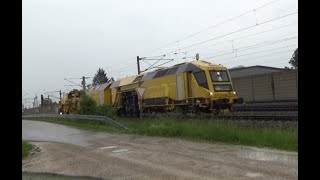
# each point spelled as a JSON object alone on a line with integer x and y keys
{"x": 263, "y": 117}
{"x": 268, "y": 106}
{"x": 257, "y": 111}
{"x": 244, "y": 115}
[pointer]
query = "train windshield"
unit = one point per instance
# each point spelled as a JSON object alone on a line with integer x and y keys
{"x": 219, "y": 76}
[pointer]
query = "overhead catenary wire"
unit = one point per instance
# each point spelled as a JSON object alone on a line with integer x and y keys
{"x": 222, "y": 36}
{"x": 204, "y": 59}
{"x": 269, "y": 60}
{"x": 233, "y": 32}
{"x": 218, "y": 37}
{"x": 132, "y": 73}
{"x": 245, "y": 49}
{"x": 232, "y": 40}
{"x": 267, "y": 21}
{"x": 235, "y": 58}
{"x": 223, "y": 22}
{"x": 257, "y": 45}
{"x": 261, "y": 51}
{"x": 255, "y": 59}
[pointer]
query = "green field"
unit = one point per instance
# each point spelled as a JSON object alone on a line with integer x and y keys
{"x": 197, "y": 129}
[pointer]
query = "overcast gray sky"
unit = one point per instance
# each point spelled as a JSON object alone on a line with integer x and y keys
{"x": 73, "y": 38}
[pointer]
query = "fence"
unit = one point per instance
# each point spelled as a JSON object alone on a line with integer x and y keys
{"x": 44, "y": 109}
{"x": 276, "y": 86}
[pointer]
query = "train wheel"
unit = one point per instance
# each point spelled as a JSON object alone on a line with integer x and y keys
{"x": 183, "y": 110}
{"x": 118, "y": 112}
{"x": 216, "y": 111}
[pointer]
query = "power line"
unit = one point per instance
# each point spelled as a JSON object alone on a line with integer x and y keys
{"x": 264, "y": 31}
{"x": 263, "y": 51}
{"x": 234, "y": 32}
{"x": 72, "y": 82}
{"x": 191, "y": 35}
{"x": 118, "y": 70}
{"x": 220, "y": 37}
{"x": 277, "y": 64}
{"x": 248, "y": 47}
{"x": 253, "y": 57}
{"x": 113, "y": 65}
{"x": 123, "y": 68}
{"x": 134, "y": 64}
{"x": 250, "y": 60}
{"x": 232, "y": 40}
{"x": 258, "y": 45}
{"x": 268, "y": 43}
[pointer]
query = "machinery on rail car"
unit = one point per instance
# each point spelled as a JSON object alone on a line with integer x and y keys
{"x": 70, "y": 102}
{"x": 197, "y": 86}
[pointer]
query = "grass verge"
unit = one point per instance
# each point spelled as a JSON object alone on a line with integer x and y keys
{"x": 26, "y": 148}
{"x": 198, "y": 129}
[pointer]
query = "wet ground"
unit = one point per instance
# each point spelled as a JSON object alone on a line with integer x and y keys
{"x": 50, "y": 176}
{"x": 75, "y": 152}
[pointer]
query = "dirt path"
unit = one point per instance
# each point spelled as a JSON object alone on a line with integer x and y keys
{"x": 71, "y": 151}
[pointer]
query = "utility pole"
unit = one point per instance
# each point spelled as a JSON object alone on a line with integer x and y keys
{"x": 84, "y": 83}
{"x": 60, "y": 94}
{"x": 138, "y": 64}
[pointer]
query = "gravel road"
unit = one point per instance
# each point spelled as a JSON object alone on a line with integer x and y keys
{"x": 70, "y": 151}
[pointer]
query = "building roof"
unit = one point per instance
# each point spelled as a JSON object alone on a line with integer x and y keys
{"x": 252, "y": 70}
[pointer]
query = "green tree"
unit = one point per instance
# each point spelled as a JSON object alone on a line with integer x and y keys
{"x": 100, "y": 77}
{"x": 294, "y": 60}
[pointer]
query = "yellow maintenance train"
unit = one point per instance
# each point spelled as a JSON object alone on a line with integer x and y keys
{"x": 197, "y": 86}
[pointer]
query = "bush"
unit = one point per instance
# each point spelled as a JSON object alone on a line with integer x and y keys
{"x": 106, "y": 111}
{"x": 87, "y": 105}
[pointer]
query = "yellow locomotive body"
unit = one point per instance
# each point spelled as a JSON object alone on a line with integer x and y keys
{"x": 101, "y": 94}
{"x": 198, "y": 86}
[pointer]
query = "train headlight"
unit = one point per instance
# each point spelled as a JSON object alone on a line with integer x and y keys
{"x": 211, "y": 93}
{"x": 234, "y": 92}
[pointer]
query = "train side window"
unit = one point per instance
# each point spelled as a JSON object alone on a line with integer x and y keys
{"x": 201, "y": 79}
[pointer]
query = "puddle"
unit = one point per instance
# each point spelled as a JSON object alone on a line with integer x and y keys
{"x": 42, "y": 131}
{"x": 108, "y": 147}
{"x": 121, "y": 150}
{"x": 51, "y": 176}
{"x": 268, "y": 155}
{"x": 249, "y": 174}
